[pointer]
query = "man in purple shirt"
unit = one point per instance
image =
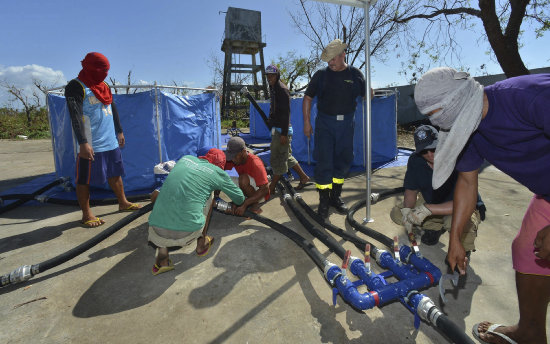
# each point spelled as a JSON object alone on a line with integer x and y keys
{"x": 507, "y": 124}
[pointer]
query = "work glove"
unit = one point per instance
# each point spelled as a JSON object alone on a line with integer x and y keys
{"x": 417, "y": 215}
{"x": 408, "y": 226}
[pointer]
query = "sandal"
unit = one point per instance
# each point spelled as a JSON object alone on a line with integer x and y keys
{"x": 302, "y": 185}
{"x": 90, "y": 223}
{"x": 160, "y": 269}
{"x": 205, "y": 252}
{"x": 132, "y": 207}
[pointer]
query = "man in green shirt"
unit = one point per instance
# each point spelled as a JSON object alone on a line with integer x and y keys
{"x": 183, "y": 207}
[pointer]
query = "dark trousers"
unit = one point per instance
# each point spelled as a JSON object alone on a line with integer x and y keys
{"x": 333, "y": 147}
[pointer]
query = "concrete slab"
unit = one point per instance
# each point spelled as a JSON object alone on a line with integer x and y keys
{"x": 256, "y": 286}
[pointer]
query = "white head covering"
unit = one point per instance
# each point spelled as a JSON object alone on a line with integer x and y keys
{"x": 460, "y": 100}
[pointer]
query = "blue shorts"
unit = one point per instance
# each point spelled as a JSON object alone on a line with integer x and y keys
{"x": 105, "y": 165}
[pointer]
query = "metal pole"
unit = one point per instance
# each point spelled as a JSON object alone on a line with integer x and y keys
{"x": 368, "y": 217}
{"x": 158, "y": 121}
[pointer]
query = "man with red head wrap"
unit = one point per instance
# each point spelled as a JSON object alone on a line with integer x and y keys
{"x": 97, "y": 129}
{"x": 184, "y": 205}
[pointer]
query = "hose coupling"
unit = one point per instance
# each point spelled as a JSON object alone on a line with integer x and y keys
{"x": 20, "y": 274}
{"x": 223, "y": 206}
{"x": 287, "y": 197}
{"x": 427, "y": 310}
{"x": 374, "y": 197}
{"x": 379, "y": 253}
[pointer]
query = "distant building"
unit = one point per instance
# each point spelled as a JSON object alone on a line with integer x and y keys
{"x": 406, "y": 108}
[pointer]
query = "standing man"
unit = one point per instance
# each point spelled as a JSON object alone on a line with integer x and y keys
{"x": 337, "y": 88}
{"x": 252, "y": 175}
{"x": 183, "y": 205}
{"x": 432, "y": 209}
{"x": 97, "y": 129}
{"x": 281, "y": 132}
{"x": 507, "y": 124}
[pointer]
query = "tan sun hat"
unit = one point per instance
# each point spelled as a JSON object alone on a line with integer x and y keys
{"x": 333, "y": 49}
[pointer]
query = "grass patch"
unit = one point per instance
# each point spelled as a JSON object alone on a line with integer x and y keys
{"x": 14, "y": 122}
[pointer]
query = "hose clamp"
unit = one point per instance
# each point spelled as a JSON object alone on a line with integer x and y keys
{"x": 374, "y": 197}
{"x": 287, "y": 197}
{"x": 297, "y": 195}
{"x": 41, "y": 198}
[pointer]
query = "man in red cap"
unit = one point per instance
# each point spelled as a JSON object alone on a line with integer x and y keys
{"x": 183, "y": 206}
{"x": 97, "y": 129}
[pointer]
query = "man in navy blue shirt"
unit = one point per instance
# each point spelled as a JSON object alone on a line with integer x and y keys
{"x": 422, "y": 205}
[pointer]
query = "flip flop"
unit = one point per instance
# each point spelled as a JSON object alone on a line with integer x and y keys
{"x": 161, "y": 269}
{"x": 205, "y": 252}
{"x": 302, "y": 185}
{"x": 87, "y": 224}
{"x": 132, "y": 207}
{"x": 491, "y": 330}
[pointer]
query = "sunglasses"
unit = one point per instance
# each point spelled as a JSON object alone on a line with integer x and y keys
{"x": 425, "y": 151}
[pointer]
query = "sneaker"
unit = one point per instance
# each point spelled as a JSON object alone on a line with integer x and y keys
{"x": 431, "y": 238}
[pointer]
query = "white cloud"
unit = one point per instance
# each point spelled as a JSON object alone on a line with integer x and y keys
{"x": 23, "y": 77}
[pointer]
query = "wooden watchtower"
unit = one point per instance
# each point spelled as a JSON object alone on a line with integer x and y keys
{"x": 242, "y": 42}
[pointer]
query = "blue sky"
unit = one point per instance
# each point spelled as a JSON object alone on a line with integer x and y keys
{"x": 163, "y": 41}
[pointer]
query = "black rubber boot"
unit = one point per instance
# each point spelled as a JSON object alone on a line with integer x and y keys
{"x": 324, "y": 200}
{"x": 335, "y": 199}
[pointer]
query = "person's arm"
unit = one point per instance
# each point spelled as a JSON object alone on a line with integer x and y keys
{"x": 306, "y": 110}
{"x": 445, "y": 208}
{"x": 409, "y": 198}
{"x": 118, "y": 127}
{"x": 465, "y": 198}
{"x": 74, "y": 95}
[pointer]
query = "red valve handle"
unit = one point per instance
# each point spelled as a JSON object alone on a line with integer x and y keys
{"x": 346, "y": 259}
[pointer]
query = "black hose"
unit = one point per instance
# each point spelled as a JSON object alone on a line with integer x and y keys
{"x": 34, "y": 194}
{"x": 326, "y": 239}
{"x": 388, "y": 242}
{"x": 64, "y": 257}
{"x": 354, "y": 239}
{"x": 451, "y": 330}
{"x": 306, "y": 245}
{"x": 258, "y": 108}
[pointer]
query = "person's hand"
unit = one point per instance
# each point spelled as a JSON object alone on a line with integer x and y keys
{"x": 240, "y": 210}
{"x": 283, "y": 140}
{"x": 308, "y": 130}
{"x": 542, "y": 243}
{"x": 121, "y": 140}
{"x": 86, "y": 151}
{"x": 457, "y": 256}
{"x": 417, "y": 215}
{"x": 408, "y": 226}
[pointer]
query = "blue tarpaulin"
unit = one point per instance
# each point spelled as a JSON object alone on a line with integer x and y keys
{"x": 179, "y": 125}
{"x": 383, "y": 129}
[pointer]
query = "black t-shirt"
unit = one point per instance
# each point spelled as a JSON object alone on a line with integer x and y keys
{"x": 336, "y": 91}
{"x": 419, "y": 177}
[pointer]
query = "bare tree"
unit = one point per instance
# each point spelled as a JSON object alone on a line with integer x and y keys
{"x": 321, "y": 23}
{"x": 432, "y": 38}
{"x": 501, "y": 22}
{"x": 30, "y": 103}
